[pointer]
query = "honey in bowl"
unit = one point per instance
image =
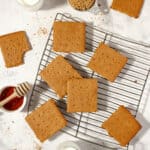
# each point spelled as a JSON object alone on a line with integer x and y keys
{"x": 14, "y": 103}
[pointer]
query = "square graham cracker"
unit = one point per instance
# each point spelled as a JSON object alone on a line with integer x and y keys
{"x": 122, "y": 126}
{"x": 57, "y": 73}
{"x": 69, "y": 36}
{"x": 130, "y": 7}
{"x": 46, "y": 120}
{"x": 82, "y": 95}
{"x": 13, "y": 46}
{"x": 107, "y": 62}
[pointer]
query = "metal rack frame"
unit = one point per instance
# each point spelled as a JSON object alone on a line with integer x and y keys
{"x": 127, "y": 90}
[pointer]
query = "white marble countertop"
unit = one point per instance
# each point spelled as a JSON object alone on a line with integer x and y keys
{"x": 14, "y": 133}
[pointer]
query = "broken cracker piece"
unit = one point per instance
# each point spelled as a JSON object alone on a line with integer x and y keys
{"x": 13, "y": 47}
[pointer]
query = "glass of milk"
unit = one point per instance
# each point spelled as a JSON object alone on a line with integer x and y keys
{"x": 68, "y": 145}
{"x": 31, "y": 4}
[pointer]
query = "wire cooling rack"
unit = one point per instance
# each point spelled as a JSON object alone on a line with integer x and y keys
{"x": 127, "y": 89}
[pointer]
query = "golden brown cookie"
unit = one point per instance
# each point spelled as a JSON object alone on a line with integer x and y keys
{"x": 122, "y": 126}
{"x": 69, "y": 36}
{"x": 46, "y": 120}
{"x": 130, "y": 7}
{"x": 82, "y": 95}
{"x": 13, "y": 47}
{"x": 107, "y": 62}
{"x": 81, "y": 4}
{"x": 57, "y": 73}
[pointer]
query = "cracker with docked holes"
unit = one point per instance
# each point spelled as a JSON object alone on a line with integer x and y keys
{"x": 81, "y": 5}
{"x": 122, "y": 126}
{"x": 107, "y": 62}
{"x": 69, "y": 36}
{"x": 82, "y": 95}
{"x": 13, "y": 47}
{"x": 46, "y": 120}
{"x": 129, "y": 7}
{"x": 57, "y": 73}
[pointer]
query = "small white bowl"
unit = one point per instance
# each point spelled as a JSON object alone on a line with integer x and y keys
{"x": 16, "y": 110}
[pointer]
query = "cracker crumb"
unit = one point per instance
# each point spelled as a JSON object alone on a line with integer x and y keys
{"x": 37, "y": 147}
{"x": 99, "y": 5}
{"x": 42, "y": 31}
{"x": 135, "y": 81}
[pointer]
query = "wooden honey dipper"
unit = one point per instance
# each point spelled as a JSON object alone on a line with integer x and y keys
{"x": 19, "y": 91}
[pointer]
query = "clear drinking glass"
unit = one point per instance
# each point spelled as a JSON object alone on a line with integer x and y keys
{"x": 33, "y": 5}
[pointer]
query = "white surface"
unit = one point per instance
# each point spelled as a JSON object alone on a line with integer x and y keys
{"x": 15, "y": 134}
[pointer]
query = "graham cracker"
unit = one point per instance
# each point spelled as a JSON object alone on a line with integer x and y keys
{"x": 122, "y": 126}
{"x": 13, "y": 47}
{"x": 81, "y": 5}
{"x": 130, "y": 7}
{"x": 82, "y": 95}
{"x": 57, "y": 73}
{"x": 107, "y": 62}
{"x": 46, "y": 120}
{"x": 69, "y": 36}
